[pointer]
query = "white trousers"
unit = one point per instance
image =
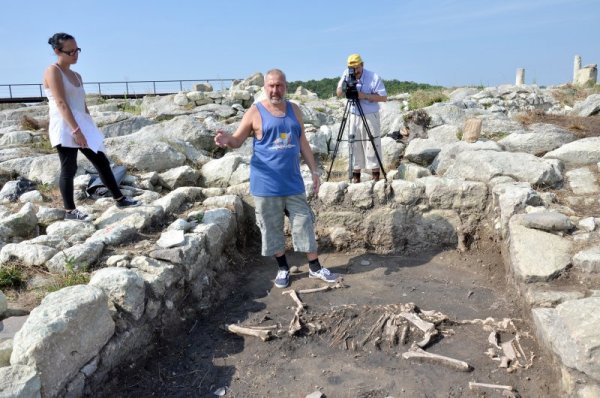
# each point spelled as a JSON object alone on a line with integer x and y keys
{"x": 364, "y": 153}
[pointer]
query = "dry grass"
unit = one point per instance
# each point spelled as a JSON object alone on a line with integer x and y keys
{"x": 424, "y": 98}
{"x": 32, "y": 124}
{"x": 580, "y": 126}
{"x": 569, "y": 94}
{"x": 339, "y": 170}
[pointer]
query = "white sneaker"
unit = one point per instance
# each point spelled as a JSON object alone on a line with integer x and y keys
{"x": 324, "y": 274}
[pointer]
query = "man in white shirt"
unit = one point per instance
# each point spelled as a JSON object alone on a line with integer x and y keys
{"x": 371, "y": 91}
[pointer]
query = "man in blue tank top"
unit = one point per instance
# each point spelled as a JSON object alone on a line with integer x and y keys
{"x": 275, "y": 180}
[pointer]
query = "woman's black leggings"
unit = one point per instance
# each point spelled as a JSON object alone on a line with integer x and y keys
{"x": 68, "y": 169}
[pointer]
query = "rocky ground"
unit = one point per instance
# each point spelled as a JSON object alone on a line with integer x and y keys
{"x": 171, "y": 271}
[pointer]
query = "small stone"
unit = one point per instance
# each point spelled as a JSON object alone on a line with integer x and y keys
{"x": 294, "y": 269}
{"x": 171, "y": 239}
{"x": 316, "y": 394}
{"x": 365, "y": 262}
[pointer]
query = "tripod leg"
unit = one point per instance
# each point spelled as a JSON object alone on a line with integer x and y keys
{"x": 339, "y": 137}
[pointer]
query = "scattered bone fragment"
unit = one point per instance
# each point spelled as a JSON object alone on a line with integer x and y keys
{"x": 404, "y": 334}
{"x": 338, "y": 285}
{"x": 473, "y": 386}
{"x": 264, "y": 335}
{"x": 377, "y": 327}
{"x": 265, "y": 327}
{"x": 419, "y": 354}
{"x": 509, "y": 350}
{"x": 295, "y": 297}
{"x": 493, "y": 339}
{"x": 390, "y": 331}
{"x": 295, "y": 324}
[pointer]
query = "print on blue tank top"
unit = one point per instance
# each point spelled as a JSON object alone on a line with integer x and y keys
{"x": 275, "y": 165}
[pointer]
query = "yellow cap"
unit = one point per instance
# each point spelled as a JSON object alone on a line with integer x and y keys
{"x": 354, "y": 60}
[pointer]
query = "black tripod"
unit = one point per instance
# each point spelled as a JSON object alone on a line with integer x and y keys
{"x": 353, "y": 100}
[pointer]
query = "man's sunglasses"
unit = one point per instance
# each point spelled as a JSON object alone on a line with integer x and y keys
{"x": 72, "y": 52}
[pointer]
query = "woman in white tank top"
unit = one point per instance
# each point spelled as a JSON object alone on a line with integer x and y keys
{"x": 72, "y": 129}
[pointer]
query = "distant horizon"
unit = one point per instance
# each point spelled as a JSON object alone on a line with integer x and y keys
{"x": 450, "y": 43}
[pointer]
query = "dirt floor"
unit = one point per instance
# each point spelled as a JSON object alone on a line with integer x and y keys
{"x": 206, "y": 359}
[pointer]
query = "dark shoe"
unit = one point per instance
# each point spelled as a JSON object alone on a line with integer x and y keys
{"x": 356, "y": 177}
{"x": 77, "y": 215}
{"x": 126, "y": 202}
{"x": 282, "y": 279}
{"x": 324, "y": 274}
{"x": 376, "y": 175}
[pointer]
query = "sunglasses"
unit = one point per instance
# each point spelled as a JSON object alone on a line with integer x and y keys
{"x": 72, "y": 52}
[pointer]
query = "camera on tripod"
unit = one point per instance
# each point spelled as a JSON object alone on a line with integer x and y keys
{"x": 349, "y": 85}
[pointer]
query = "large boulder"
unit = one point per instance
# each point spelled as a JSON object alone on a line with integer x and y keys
{"x": 444, "y": 134}
{"x": 582, "y": 152}
{"x": 151, "y": 156}
{"x": 123, "y": 287}
{"x": 217, "y": 172}
{"x": 588, "y": 107}
{"x": 21, "y": 223}
{"x": 126, "y": 127}
{"x": 422, "y": 151}
{"x": 542, "y": 139}
{"x": 62, "y": 334}
{"x": 509, "y": 199}
{"x": 183, "y": 128}
{"x": 19, "y": 381}
{"x": 27, "y": 253}
{"x": 536, "y": 256}
{"x": 454, "y": 194}
{"x": 446, "y": 113}
{"x": 183, "y": 176}
{"x": 76, "y": 258}
{"x": 160, "y": 106}
{"x": 571, "y": 331}
{"x": 485, "y": 165}
{"x": 447, "y": 155}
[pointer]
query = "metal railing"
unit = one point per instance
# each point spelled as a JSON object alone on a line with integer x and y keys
{"x": 131, "y": 89}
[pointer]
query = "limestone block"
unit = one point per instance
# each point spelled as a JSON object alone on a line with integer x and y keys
{"x": 407, "y": 192}
{"x": 455, "y": 194}
{"x": 485, "y": 165}
{"x": 19, "y": 381}
{"x": 571, "y": 331}
{"x": 183, "y": 176}
{"x": 536, "y": 256}
{"x": 123, "y": 287}
{"x": 67, "y": 228}
{"x": 331, "y": 193}
{"x": 588, "y": 260}
{"x": 62, "y": 334}
{"x": 361, "y": 194}
{"x": 76, "y": 258}
{"x": 27, "y": 253}
{"x": 114, "y": 235}
{"x": 159, "y": 275}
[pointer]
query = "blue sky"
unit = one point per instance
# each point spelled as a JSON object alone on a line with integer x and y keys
{"x": 451, "y": 43}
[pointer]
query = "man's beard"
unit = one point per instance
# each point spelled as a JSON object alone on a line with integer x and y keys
{"x": 276, "y": 100}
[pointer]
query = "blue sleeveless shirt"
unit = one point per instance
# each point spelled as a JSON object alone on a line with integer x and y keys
{"x": 275, "y": 163}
